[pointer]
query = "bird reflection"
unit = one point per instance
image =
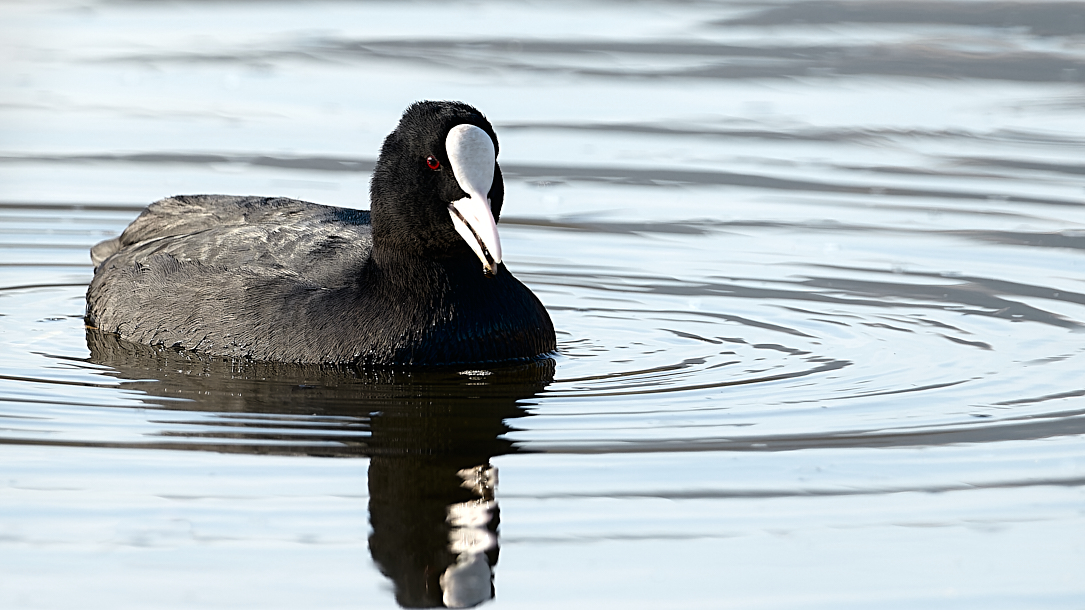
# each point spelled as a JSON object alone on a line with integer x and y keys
{"x": 430, "y": 436}
{"x": 434, "y": 529}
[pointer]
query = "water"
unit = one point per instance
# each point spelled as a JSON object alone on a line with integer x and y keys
{"x": 817, "y": 270}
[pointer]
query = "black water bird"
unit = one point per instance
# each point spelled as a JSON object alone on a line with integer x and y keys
{"x": 278, "y": 279}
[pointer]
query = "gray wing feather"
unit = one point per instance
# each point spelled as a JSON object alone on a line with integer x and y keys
{"x": 215, "y": 273}
{"x": 276, "y": 236}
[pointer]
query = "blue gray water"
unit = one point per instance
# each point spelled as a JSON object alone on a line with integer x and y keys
{"x": 818, "y": 270}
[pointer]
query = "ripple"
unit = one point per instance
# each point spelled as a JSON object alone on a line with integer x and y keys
{"x": 641, "y": 378}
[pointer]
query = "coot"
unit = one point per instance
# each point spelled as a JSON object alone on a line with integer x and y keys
{"x": 417, "y": 280}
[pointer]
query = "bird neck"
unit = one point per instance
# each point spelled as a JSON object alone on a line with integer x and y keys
{"x": 416, "y": 272}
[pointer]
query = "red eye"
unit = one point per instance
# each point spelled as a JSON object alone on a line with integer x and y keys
{"x": 433, "y": 163}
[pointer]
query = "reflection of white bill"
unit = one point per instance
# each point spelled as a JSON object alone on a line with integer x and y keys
{"x": 480, "y": 479}
{"x": 469, "y": 533}
{"x": 469, "y": 581}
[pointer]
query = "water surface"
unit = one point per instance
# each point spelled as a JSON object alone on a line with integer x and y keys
{"x": 816, "y": 268}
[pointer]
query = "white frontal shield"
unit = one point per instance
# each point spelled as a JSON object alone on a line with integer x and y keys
{"x": 472, "y": 156}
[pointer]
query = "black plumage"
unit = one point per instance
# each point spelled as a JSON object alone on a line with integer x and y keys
{"x": 284, "y": 280}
